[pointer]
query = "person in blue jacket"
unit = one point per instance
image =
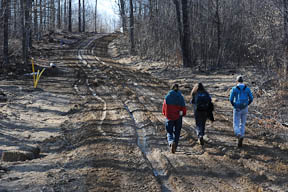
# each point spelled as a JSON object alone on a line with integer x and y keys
{"x": 240, "y": 97}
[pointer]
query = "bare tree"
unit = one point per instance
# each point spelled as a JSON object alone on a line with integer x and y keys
{"x": 26, "y": 29}
{"x": 40, "y": 18}
{"x": 6, "y": 9}
{"x": 218, "y": 22}
{"x": 96, "y": 16}
{"x": 121, "y": 4}
{"x": 83, "y": 16}
{"x": 15, "y": 17}
{"x": 184, "y": 31}
{"x": 70, "y": 16}
{"x": 79, "y": 16}
{"x": 35, "y": 19}
{"x": 59, "y": 15}
{"x": 52, "y": 15}
{"x": 186, "y": 43}
{"x": 132, "y": 43}
{"x": 65, "y": 14}
{"x": 285, "y": 3}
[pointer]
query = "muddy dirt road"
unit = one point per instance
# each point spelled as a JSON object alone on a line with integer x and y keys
{"x": 99, "y": 127}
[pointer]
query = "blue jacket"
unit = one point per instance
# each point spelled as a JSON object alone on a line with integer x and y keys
{"x": 235, "y": 91}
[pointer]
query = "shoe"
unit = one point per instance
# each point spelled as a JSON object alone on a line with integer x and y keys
{"x": 240, "y": 142}
{"x": 173, "y": 147}
{"x": 201, "y": 141}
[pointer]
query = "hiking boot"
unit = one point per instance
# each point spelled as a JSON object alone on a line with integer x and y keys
{"x": 240, "y": 142}
{"x": 201, "y": 141}
{"x": 173, "y": 147}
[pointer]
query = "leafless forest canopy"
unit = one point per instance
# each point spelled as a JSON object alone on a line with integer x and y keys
{"x": 202, "y": 34}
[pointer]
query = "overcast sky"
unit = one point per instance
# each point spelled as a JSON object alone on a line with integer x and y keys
{"x": 108, "y": 7}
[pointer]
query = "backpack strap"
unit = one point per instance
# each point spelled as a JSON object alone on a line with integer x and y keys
{"x": 240, "y": 89}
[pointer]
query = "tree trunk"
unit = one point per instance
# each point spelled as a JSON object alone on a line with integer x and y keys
{"x": 65, "y": 15}
{"x": 140, "y": 10}
{"x": 15, "y": 18}
{"x": 59, "y": 15}
{"x": 22, "y": 5}
{"x": 41, "y": 18}
{"x": 6, "y": 7}
{"x": 45, "y": 15}
{"x": 285, "y": 54}
{"x": 132, "y": 48}
{"x": 79, "y": 16}
{"x": 52, "y": 12}
{"x": 70, "y": 16}
{"x": 218, "y": 20}
{"x": 25, "y": 30}
{"x": 179, "y": 23}
{"x": 123, "y": 15}
{"x": 30, "y": 24}
{"x": 1, "y": 27}
{"x": 96, "y": 16}
{"x": 36, "y": 19}
{"x": 83, "y": 16}
{"x": 184, "y": 32}
{"x": 186, "y": 43}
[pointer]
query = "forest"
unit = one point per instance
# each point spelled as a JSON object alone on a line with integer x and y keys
{"x": 202, "y": 34}
{"x": 23, "y": 23}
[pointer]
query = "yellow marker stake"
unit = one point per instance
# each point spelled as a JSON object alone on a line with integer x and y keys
{"x": 33, "y": 70}
{"x": 36, "y": 79}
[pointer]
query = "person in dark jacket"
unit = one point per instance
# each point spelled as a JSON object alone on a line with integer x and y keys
{"x": 173, "y": 109}
{"x": 203, "y": 108}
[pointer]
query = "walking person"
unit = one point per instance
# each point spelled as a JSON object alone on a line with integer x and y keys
{"x": 173, "y": 108}
{"x": 240, "y": 97}
{"x": 203, "y": 108}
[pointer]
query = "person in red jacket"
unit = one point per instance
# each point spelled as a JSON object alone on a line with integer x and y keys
{"x": 173, "y": 108}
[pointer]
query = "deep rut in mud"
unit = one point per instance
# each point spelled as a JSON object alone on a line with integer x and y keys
{"x": 139, "y": 126}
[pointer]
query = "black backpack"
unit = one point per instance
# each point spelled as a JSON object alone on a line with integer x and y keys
{"x": 202, "y": 101}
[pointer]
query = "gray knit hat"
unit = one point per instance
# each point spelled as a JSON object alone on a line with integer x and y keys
{"x": 239, "y": 79}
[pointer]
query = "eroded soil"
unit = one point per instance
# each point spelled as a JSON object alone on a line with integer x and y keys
{"x": 99, "y": 127}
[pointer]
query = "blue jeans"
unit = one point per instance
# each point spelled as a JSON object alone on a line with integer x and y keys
{"x": 239, "y": 121}
{"x": 173, "y": 128}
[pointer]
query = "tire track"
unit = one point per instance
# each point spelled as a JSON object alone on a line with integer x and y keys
{"x": 145, "y": 130}
{"x": 80, "y": 53}
{"x": 142, "y": 128}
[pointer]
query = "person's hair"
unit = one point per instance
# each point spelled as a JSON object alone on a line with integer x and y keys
{"x": 175, "y": 87}
{"x": 198, "y": 88}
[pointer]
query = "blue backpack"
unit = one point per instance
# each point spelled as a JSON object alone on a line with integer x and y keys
{"x": 242, "y": 98}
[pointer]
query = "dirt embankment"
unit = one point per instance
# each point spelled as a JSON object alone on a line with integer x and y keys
{"x": 98, "y": 125}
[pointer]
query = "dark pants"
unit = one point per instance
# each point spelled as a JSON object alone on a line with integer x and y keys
{"x": 200, "y": 118}
{"x": 173, "y": 128}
